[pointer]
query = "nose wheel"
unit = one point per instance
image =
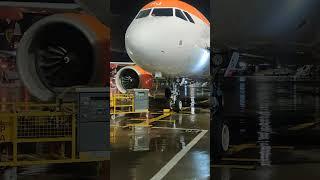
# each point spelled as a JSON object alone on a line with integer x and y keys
{"x": 221, "y": 138}
{"x": 176, "y": 105}
{"x": 225, "y": 137}
{"x": 173, "y": 93}
{"x": 221, "y": 126}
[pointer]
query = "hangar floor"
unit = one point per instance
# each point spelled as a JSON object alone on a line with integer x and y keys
{"x": 136, "y": 156}
{"x": 275, "y": 130}
{"x": 147, "y": 153}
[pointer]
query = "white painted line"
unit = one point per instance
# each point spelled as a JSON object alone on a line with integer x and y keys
{"x": 165, "y": 169}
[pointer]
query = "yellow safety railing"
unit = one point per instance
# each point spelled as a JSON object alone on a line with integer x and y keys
{"x": 28, "y": 130}
{"x": 121, "y": 104}
{"x": 33, "y": 133}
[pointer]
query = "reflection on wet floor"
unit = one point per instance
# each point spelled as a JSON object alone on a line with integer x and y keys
{"x": 275, "y": 123}
{"x": 83, "y": 171}
{"x": 140, "y": 152}
{"x": 265, "y": 127}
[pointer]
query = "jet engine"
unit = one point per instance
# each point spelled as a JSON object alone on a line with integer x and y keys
{"x": 63, "y": 51}
{"x": 133, "y": 77}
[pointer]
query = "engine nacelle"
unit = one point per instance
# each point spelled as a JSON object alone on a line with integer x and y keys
{"x": 133, "y": 77}
{"x": 63, "y": 51}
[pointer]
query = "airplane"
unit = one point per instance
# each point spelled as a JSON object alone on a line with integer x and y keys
{"x": 194, "y": 50}
{"x": 128, "y": 75}
{"x": 50, "y": 57}
{"x": 131, "y": 76}
{"x": 169, "y": 38}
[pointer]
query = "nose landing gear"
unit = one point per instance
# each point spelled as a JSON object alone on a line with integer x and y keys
{"x": 175, "y": 100}
{"x": 176, "y": 104}
{"x": 220, "y": 125}
{"x": 221, "y": 130}
{"x": 221, "y": 138}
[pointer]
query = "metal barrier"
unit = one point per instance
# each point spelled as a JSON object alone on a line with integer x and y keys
{"x": 33, "y": 133}
{"x": 122, "y": 104}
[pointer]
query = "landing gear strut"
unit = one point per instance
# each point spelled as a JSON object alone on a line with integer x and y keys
{"x": 176, "y": 105}
{"x": 175, "y": 100}
{"x": 221, "y": 138}
{"x": 221, "y": 130}
{"x": 221, "y": 127}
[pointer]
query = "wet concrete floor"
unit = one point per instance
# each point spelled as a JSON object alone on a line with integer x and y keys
{"x": 275, "y": 130}
{"x": 136, "y": 154}
{"x": 140, "y": 153}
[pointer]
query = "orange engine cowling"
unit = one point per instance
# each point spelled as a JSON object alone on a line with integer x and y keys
{"x": 133, "y": 77}
{"x": 61, "y": 52}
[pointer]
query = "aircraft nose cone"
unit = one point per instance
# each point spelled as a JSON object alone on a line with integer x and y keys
{"x": 139, "y": 40}
{"x": 144, "y": 45}
{"x": 156, "y": 47}
{"x": 135, "y": 40}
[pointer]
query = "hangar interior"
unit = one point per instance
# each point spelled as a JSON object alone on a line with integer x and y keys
{"x": 73, "y": 122}
{"x": 266, "y": 66}
{"x": 63, "y": 115}
{"x": 147, "y": 142}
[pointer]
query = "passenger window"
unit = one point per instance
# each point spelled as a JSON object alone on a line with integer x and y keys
{"x": 179, "y": 14}
{"x": 143, "y": 13}
{"x": 189, "y": 17}
{"x": 162, "y": 12}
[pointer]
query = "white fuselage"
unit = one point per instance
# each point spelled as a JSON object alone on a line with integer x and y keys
{"x": 169, "y": 45}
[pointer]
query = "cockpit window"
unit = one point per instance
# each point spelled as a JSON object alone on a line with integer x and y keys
{"x": 143, "y": 13}
{"x": 189, "y": 17}
{"x": 162, "y": 12}
{"x": 179, "y": 14}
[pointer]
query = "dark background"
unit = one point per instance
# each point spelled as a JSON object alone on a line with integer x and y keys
{"x": 44, "y": 1}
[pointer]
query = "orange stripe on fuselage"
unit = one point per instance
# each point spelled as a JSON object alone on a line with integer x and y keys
{"x": 177, "y": 4}
{"x": 140, "y": 70}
